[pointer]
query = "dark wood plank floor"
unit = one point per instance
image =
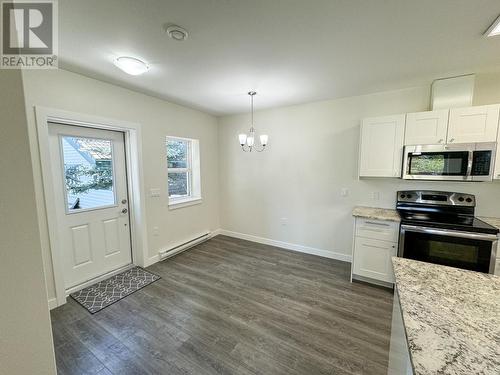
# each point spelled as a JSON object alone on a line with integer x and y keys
{"x": 230, "y": 306}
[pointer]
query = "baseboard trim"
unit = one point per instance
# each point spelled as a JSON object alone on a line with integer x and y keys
{"x": 369, "y": 280}
{"x": 266, "y": 241}
{"x": 288, "y": 246}
{"x": 152, "y": 260}
{"x": 215, "y": 232}
{"x": 52, "y": 303}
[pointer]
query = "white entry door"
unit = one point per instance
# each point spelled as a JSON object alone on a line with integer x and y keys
{"x": 90, "y": 184}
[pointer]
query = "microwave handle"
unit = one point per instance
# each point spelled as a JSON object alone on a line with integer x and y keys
{"x": 469, "y": 163}
{"x": 449, "y": 233}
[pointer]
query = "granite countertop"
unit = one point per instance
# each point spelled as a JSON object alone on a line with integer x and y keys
{"x": 495, "y": 221}
{"x": 451, "y": 317}
{"x": 376, "y": 213}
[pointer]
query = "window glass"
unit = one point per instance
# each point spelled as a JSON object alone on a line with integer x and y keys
{"x": 179, "y": 165}
{"x": 178, "y": 184}
{"x": 88, "y": 173}
{"x": 177, "y": 153}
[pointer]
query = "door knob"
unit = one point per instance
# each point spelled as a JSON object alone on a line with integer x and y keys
{"x": 124, "y": 201}
{"x": 124, "y": 211}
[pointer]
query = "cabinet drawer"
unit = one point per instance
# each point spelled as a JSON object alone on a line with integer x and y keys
{"x": 377, "y": 229}
{"x": 372, "y": 258}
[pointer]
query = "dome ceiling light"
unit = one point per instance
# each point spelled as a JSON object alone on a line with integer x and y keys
{"x": 131, "y": 65}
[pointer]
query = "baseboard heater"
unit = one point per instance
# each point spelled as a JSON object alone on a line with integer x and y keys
{"x": 164, "y": 254}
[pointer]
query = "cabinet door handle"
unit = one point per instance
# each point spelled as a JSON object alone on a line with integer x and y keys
{"x": 375, "y": 223}
{"x": 452, "y": 140}
{"x": 375, "y": 246}
{"x": 441, "y": 140}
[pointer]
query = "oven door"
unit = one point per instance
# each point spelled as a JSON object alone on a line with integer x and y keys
{"x": 470, "y": 251}
{"x": 438, "y": 162}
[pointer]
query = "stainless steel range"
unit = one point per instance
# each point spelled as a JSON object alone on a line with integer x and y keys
{"x": 440, "y": 227}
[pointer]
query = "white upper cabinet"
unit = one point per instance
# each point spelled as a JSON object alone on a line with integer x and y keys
{"x": 473, "y": 124}
{"x": 424, "y": 128}
{"x": 496, "y": 175}
{"x": 381, "y": 148}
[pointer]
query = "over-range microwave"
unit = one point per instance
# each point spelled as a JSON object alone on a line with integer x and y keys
{"x": 458, "y": 162}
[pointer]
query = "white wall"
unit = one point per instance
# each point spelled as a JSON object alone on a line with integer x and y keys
{"x": 312, "y": 155}
{"x": 72, "y": 92}
{"x": 25, "y": 334}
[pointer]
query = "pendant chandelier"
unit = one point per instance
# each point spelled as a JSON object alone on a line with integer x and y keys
{"x": 247, "y": 141}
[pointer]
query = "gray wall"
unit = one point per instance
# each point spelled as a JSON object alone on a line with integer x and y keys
{"x": 26, "y": 346}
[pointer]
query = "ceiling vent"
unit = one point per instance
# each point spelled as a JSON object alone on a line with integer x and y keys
{"x": 175, "y": 32}
{"x": 452, "y": 92}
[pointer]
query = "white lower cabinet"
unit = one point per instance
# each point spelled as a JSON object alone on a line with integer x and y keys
{"x": 497, "y": 265}
{"x": 371, "y": 253}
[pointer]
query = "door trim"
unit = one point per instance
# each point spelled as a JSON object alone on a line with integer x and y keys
{"x": 135, "y": 182}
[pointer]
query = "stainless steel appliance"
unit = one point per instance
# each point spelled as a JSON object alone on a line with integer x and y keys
{"x": 440, "y": 227}
{"x": 457, "y": 162}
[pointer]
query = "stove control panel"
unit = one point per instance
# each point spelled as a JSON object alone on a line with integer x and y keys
{"x": 441, "y": 198}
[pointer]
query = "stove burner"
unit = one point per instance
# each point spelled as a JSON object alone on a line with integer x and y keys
{"x": 437, "y": 209}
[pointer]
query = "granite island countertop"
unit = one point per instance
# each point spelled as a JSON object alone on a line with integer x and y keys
{"x": 451, "y": 318}
{"x": 376, "y": 213}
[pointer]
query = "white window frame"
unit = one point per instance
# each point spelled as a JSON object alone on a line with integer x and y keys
{"x": 193, "y": 174}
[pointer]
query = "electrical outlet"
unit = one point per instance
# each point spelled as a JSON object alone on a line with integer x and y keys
{"x": 154, "y": 193}
{"x": 375, "y": 195}
{"x": 156, "y": 231}
{"x": 344, "y": 192}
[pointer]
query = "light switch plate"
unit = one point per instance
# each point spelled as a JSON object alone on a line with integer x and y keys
{"x": 154, "y": 193}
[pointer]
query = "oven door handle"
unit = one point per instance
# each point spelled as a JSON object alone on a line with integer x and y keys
{"x": 449, "y": 233}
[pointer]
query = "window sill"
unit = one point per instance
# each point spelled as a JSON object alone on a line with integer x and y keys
{"x": 174, "y": 204}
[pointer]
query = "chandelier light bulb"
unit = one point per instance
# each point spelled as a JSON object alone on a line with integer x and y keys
{"x": 250, "y": 141}
{"x": 243, "y": 139}
{"x": 263, "y": 139}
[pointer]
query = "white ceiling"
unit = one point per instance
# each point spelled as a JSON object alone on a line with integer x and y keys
{"x": 289, "y": 51}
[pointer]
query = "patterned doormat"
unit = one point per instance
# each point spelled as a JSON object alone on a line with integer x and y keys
{"x": 104, "y": 293}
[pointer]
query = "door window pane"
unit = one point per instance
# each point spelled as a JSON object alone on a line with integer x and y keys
{"x": 177, "y": 153}
{"x": 88, "y": 173}
{"x": 178, "y": 184}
